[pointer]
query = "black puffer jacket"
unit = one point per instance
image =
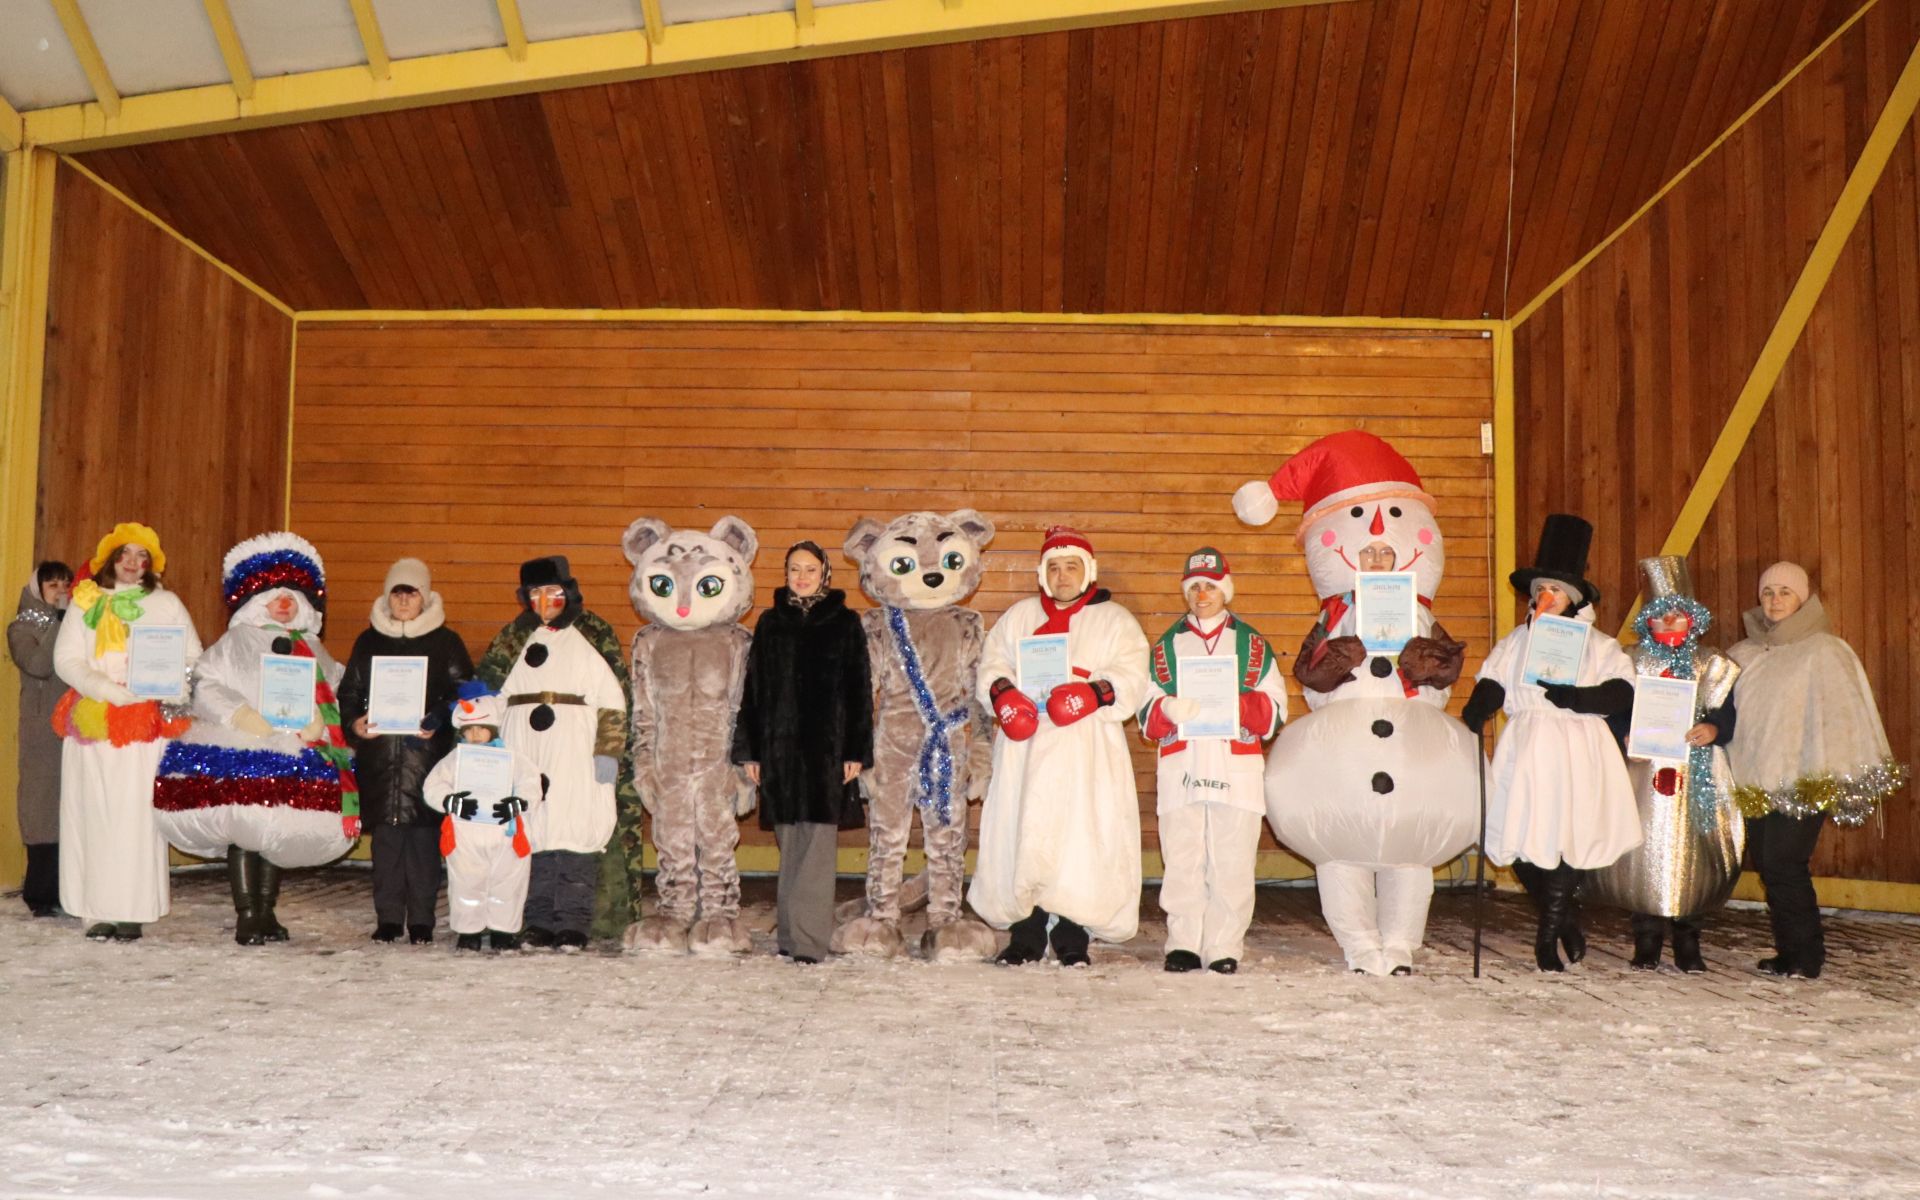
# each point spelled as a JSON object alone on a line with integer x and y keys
{"x": 391, "y": 770}
{"x": 807, "y": 708}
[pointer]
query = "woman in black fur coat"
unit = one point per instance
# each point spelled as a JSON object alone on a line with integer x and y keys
{"x": 804, "y": 732}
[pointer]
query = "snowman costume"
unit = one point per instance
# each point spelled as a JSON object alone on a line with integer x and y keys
{"x": 486, "y": 843}
{"x": 1376, "y": 785}
{"x": 1060, "y": 828}
{"x": 1211, "y": 791}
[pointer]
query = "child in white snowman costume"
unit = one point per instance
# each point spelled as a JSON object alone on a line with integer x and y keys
{"x": 1376, "y": 785}
{"x": 486, "y": 842}
{"x": 1211, "y": 796}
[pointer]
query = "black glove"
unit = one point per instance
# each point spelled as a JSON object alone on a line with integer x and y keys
{"x": 1486, "y": 700}
{"x": 1600, "y": 700}
{"x": 432, "y": 721}
{"x": 460, "y": 804}
{"x": 503, "y": 810}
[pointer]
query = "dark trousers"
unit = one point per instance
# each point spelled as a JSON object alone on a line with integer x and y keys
{"x": 561, "y": 892}
{"x": 406, "y": 874}
{"x": 803, "y": 923}
{"x": 41, "y": 888}
{"x": 1782, "y": 847}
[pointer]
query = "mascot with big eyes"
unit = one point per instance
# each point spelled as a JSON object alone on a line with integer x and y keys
{"x": 1376, "y": 785}
{"x": 930, "y": 738}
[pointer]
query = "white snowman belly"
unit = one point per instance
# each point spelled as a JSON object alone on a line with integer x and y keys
{"x": 1374, "y": 780}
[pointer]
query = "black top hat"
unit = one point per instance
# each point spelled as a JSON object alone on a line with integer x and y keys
{"x": 1562, "y": 557}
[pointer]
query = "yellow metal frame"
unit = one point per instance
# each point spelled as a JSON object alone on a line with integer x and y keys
{"x": 597, "y": 58}
{"x": 26, "y": 256}
{"x": 514, "y": 29}
{"x": 239, "y": 70}
{"x": 1888, "y": 130}
{"x": 1505, "y": 499}
{"x": 13, "y": 130}
{"x": 834, "y": 316}
{"x": 106, "y": 95}
{"x": 378, "y": 64}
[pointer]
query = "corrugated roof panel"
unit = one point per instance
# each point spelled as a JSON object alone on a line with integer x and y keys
{"x": 676, "y": 12}
{"x": 414, "y": 28}
{"x": 549, "y": 19}
{"x": 37, "y": 65}
{"x": 155, "y": 45}
{"x": 283, "y": 38}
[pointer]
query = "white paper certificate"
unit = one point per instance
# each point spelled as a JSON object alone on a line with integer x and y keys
{"x": 1043, "y": 665}
{"x": 286, "y": 691}
{"x": 157, "y": 662}
{"x": 397, "y": 694}
{"x": 1662, "y": 714}
{"x": 1215, "y": 683}
{"x": 1556, "y": 647}
{"x": 483, "y": 772}
{"x": 1384, "y": 604}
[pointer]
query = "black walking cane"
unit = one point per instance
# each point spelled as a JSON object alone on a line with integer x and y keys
{"x": 1480, "y": 848}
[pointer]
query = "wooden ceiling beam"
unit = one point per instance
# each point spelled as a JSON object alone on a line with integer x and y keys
{"x": 239, "y": 70}
{"x": 105, "y": 94}
{"x": 514, "y": 28}
{"x": 379, "y": 65}
{"x": 594, "y": 59}
{"x": 12, "y": 128}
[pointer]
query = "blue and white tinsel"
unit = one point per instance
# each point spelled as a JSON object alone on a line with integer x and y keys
{"x": 934, "y": 785}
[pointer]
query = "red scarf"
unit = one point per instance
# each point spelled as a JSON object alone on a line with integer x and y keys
{"x": 1057, "y": 616}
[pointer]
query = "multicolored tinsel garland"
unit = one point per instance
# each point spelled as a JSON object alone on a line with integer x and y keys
{"x": 934, "y": 786}
{"x": 334, "y": 749}
{"x": 272, "y": 569}
{"x": 1849, "y": 797}
{"x": 196, "y": 775}
{"x": 89, "y": 721}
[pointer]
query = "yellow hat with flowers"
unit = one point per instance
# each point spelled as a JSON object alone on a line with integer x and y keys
{"x": 128, "y": 533}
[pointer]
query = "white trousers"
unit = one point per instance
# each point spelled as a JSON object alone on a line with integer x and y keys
{"x": 1207, "y": 890}
{"x": 486, "y": 880}
{"x": 1377, "y": 914}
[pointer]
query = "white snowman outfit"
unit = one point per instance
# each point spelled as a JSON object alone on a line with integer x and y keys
{"x": 1376, "y": 785}
{"x": 486, "y": 878}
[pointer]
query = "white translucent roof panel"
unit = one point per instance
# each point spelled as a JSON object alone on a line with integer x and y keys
{"x": 413, "y": 28}
{"x": 155, "y": 45}
{"x": 286, "y": 36}
{"x": 37, "y": 66}
{"x": 675, "y": 12}
{"x": 549, "y": 19}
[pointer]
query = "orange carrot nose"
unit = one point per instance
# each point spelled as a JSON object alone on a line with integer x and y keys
{"x": 1378, "y": 527}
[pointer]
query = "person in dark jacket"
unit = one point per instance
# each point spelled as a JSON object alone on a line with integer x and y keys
{"x": 408, "y": 621}
{"x": 804, "y": 733}
{"x": 30, "y": 638}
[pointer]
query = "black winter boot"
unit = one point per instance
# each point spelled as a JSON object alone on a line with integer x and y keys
{"x": 386, "y": 931}
{"x": 243, "y": 882}
{"x": 1556, "y": 895}
{"x": 266, "y": 895}
{"x": 1070, "y": 943}
{"x": 1686, "y": 947}
{"x": 1572, "y": 938}
{"x": 1649, "y": 933}
{"x": 420, "y": 935}
{"x": 1182, "y": 961}
{"x": 1027, "y": 940}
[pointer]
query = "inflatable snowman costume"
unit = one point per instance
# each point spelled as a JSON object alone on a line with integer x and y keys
{"x": 1376, "y": 785}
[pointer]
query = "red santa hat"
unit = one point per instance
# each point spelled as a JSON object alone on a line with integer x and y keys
{"x": 1064, "y": 541}
{"x": 1350, "y": 467}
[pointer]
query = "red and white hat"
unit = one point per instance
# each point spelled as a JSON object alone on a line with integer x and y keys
{"x": 1350, "y": 467}
{"x": 1211, "y": 565}
{"x": 1066, "y": 541}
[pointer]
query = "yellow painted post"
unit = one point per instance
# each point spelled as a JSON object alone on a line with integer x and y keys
{"x": 656, "y": 24}
{"x": 514, "y": 28}
{"x": 1792, "y": 322}
{"x": 371, "y": 40}
{"x": 1505, "y": 497}
{"x": 803, "y": 13}
{"x": 26, "y": 255}
{"x": 238, "y": 69}
{"x": 13, "y": 130}
{"x": 104, "y": 92}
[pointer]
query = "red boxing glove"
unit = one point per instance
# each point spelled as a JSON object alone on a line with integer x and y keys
{"x": 1072, "y": 701}
{"x": 1256, "y": 713}
{"x": 350, "y": 826}
{"x": 1016, "y": 713}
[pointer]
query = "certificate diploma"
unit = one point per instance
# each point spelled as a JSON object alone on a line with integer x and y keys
{"x": 1556, "y": 647}
{"x": 1662, "y": 714}
{"x": 157, "y": 662}
{"x": 1384, "y": 604}
{"x": 1215, "y": 683}
{"x": 1043, "y": 665}
{"x": 483, "y": 772}
{"x": 397, "y": 693}
{"x": 286, "y": 691}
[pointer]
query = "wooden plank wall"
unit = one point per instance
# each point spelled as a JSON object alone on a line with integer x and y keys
{"x": 1625, "y": 379}
{"x": 479, "y": 445}
{"x": 165, "y": 397}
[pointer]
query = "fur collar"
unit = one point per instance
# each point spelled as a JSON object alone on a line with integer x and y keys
{"x": 432, "y": 616}
{"x": 1810, "y": 618}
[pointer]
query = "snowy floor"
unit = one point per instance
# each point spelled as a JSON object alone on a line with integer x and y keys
{"x": 184, "y": 1066}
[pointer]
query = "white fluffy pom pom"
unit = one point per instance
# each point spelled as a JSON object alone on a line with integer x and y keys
{"x": 1254, "y": 502}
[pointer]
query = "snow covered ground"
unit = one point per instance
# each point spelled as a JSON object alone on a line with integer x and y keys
{"x": 184, "y": 1066}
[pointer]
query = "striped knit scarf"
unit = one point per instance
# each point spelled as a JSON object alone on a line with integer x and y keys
{"x": 334, "y": 748}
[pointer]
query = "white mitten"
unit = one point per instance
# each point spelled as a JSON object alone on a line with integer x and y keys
{"x": 1180, "y": 709}
{"x": 248, "y": 720}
